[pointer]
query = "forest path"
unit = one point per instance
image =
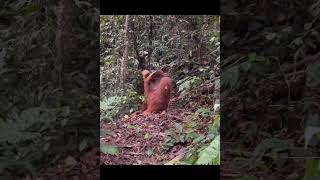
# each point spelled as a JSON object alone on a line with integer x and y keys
{"x": 140, "y": 138}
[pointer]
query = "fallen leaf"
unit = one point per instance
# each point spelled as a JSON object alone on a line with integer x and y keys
{"x": 109, "y": 149}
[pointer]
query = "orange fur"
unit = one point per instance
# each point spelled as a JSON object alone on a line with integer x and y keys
{"x": 157, "y": 89}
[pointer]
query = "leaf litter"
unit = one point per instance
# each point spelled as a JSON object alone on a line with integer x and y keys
{"x": 139, "y": 138}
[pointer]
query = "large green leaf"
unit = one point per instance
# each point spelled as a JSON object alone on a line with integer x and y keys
{"x": 109, "y": 149}
{"x": 312, "y": 169}
{"x": 210, "y": 154}
{"x": 230, "y": 77}
{"x": 312, "y": 128}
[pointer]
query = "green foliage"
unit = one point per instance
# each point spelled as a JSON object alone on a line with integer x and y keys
{"x": 109, "y": 82}
{"x": 104, "y": 132}
{"x": 173, "y": 137}
{"x": 136, "y": 128}
{"x": 164, "y": 46}
{"x": 211, "y": 154}
{"x": 110, "y": 38}
{"x": 31, "y": 137}
{"x": 312, "y": 169}
{"x": 191, "y": 135}
{"x": 205, "y": 112}
{"x": 109, "y": 149}
{"x": 188, "y": 83}
{"x": 230, "y": 78}
{"x": 115, "y": 106}
{"x": 280, "y": 66}
{"x": 44, "y": 109}
{"x": 311, "y": 131}
{"x": 272, "y": 147}
{"x": 203, "y": 149}
{"x": 109, "y": 108}
{"x": 179, "y": 135}
{"x": 149, "y": 151}
{"x": 216, "y": 121}
{"x": 31, "y": 121}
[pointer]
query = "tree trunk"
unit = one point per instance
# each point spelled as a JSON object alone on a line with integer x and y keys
{"x": 124, "y": 60}
{"x": 140, "y": 58}
{"x": 150, "y": 36}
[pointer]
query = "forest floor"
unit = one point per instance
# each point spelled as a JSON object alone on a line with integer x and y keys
{"x": 140, "y": 138}
{"x": 86, "y": 167}
{"x": 237, "y": 163}
{"x": 249, "y": 156}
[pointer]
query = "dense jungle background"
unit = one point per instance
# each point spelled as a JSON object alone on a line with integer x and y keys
{"x": 270, "y": 89}
{"x": 49, "y": 95}
{"x": 188, "y": 49}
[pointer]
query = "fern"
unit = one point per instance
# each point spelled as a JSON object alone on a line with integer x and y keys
{"x": 110, "y": 107}
{"x": 13, "y": 134}
{"x": 22, "y": 137}
{"x": 27, "y": 125}
{"x": 187, "y": 83}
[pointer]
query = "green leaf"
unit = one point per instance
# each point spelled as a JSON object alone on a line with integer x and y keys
{"x": 230, "y": 77}
{"x": 182, "y": 138}
{"x": 109, "y": 149}
{"x": 184, "y": 86}
{"x": 138, "y": 130}
{"x": 216, "y": 120}
{"x": 203, "y": 112}
{"x": 178, "y": 127}
{"x": 149, "y": 151}
{"x": 309, "y": 133}
{"x": 246, "y": 66}
{"x": 192, "y": 124}
{"x": 210, "y": 154}
{"x": 252, "y": 57}
{"x": 83, "y": 145}
{"x": 212, "y": 39}
{"x": 104, "y": 132}
{"x": 312, "y": 169}
{"x": 198, "y": 139}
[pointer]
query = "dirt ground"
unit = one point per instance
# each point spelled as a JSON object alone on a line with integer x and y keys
{"x": 136, "y": 134}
